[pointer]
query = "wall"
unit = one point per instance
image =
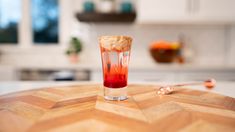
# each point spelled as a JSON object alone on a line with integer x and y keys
{"x": 231, "y": 46}
{"x": 207, "y": 43}
{"x": 210, "y": 44}
{"x": 213, "y": 44}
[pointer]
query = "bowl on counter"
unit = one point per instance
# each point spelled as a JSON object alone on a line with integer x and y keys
{"x": 164, "y": 52}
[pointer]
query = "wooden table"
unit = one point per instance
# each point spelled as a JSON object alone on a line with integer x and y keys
{"x": 82, "y": 108}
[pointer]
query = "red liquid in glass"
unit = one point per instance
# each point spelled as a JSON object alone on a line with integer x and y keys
{"x": 114, "y": 79}
{"x": 115, "y": 68}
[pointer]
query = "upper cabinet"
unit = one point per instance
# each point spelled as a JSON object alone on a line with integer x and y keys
{"x": 185, "y": 11}
{"x": 157, "y": 11}
{"x": 221, "y": 11}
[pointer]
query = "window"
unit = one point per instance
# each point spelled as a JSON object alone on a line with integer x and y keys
{"x": 45, "y": 21}
{"x": 10, "y": 13}
{"x": 44, "y": 18}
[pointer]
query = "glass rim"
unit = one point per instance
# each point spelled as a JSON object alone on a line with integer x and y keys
{"x": 115, "y": 39}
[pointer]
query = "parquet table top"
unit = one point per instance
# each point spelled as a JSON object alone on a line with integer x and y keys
{"x": 82, "y": 108}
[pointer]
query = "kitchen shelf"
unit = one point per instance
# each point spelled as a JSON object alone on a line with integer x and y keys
{"x": 106, "y": 17}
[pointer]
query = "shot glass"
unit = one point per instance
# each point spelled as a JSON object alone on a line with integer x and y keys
{"x": 115, "y": 55}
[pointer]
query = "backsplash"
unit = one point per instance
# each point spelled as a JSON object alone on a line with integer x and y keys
{"x": 207, "y": 43}
{"x": 231, "y": 47}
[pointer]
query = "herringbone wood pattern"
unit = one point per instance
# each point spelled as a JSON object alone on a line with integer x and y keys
{"x": 82, "y": 108}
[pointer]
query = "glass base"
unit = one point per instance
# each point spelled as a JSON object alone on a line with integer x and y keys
{"x": 115, "y": 94}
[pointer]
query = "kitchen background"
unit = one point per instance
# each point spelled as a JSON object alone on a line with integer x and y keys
{"x": 205, "y": 26}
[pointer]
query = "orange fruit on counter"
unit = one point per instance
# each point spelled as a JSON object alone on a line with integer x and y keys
{"x": 164, "y": 45}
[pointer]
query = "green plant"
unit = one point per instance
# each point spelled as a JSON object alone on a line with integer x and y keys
{"x": 75, "y": 46}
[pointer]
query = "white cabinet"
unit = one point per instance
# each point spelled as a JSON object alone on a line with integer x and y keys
{"x": 185, "y": 11}
{"x": 159, "y": 75}
{"x": 195, "y": 75}
{"x": 162, "y": 10}
{"x": 215, "y": 10}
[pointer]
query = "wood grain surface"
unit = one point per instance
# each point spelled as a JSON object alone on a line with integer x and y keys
{"x": 82, "y": 108}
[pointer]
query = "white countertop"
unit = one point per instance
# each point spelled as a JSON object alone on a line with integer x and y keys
{"x": 224, "y": 88}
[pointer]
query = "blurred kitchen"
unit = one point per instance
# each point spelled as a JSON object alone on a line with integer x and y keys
{"x": 181, "y": 75}
{"x": 179, "y": 40}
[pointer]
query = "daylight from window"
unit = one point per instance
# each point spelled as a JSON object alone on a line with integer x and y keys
{"x": 10, "y": 14}
{"x": 45, "y": 14}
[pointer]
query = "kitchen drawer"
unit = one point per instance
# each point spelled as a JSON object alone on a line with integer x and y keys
{"x": 52, "y": 74}
{"x": 150, "y": 76}
{"x": 157, "y": 75}
{"x": 137, "y": 76}
{"x": 198, "y": 76}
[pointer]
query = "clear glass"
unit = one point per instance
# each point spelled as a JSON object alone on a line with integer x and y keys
{"x": 115, "y": 70}
{"x": 45, "y": 21}
{"x": 10, "y": 14}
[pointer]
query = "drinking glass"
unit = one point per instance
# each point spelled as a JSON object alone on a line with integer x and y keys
{"x": 115, "y": 55}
